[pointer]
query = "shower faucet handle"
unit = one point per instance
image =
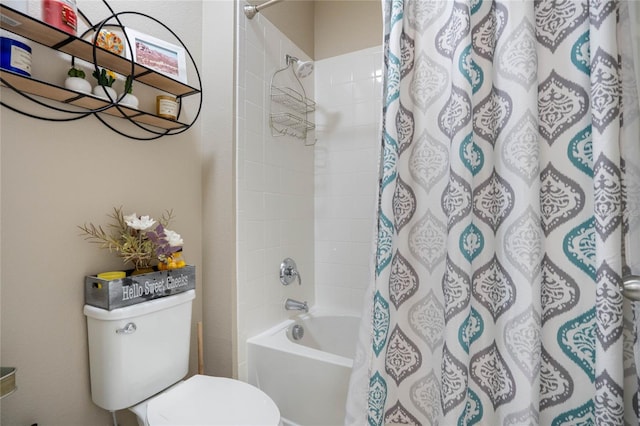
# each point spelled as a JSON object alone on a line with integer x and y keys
{"x": 289, "y": 272}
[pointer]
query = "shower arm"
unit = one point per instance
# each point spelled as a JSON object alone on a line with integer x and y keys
{"x": 252, "y": 10}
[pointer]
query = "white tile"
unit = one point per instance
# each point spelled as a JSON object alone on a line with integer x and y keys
{"x": 366, "y": 182}
{"x": 321, "y": 183}
{"x": 272, "y": 234}
{"x": 363, "y": 114}
{"x": 272, "y": 179}
{"x": 368, "y": 158}
{"x": 345, "y": 115}
{"x": 357, "y": 301}
{"x": 253, "y": 143}
{"x": 254, "y": 86}
{"x": 331, "y": 230}
{"x": 341, "y": 73}
{"x": 252, "y": 203}
{"x": 295, "y": 182}
{"x": 273, "y": 150}
{"x": 255, "y": 34}
{"x": 363, "y": 207}
{"x": 312, "y": 204}
{"x": 255, "y": 234}
{"x": 274, "y": 206}
{"x": 325, "y": 251}
{"x": 272, "y": 51}
{"x": 254, "y": 116}
{"x": 254, "y": 176}
{"x": 358, "y": 254}
{"x": 338, "y": 94}
{"x": 334, "y": 297}
{"x": 296, "y": 231}
{"x": 362, "y": 230}
{"x": 254, "y": 60}
{"x": 252, "y": 292}
{"x": 240, "y": 109}
{"x": 241, "y": 267}
{"x": 363, "y": 90}
{"x": 342, "y": 161}
{"x": 256, "y": 322}
{"x": 338, "y": 205}
{"x": 255, "y": 264}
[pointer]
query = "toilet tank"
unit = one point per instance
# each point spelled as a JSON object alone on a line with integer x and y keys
{"x": 138, "y": 351}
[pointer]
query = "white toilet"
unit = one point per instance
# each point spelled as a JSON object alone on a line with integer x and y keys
{"x": 138, "y": 357}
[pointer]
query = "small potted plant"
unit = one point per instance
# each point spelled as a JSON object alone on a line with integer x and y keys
{"x": 128, "y": 99}
{"x": 75, "y": 81}
{"x": 105, "y": 81}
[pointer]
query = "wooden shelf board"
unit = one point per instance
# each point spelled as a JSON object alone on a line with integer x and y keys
{"x": 34, "y": 87}
{"x": 50, "y": 91}
{"x": 32, "y": 29}
{"x": 154, "y": 120}
{"x": 49, "y": 36}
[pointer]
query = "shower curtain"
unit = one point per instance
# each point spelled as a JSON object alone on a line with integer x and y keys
{"x": 507, "y": 217}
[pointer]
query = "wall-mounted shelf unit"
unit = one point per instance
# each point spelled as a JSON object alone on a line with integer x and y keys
{"x": 287, "y": 123}
{"x": 289, "y": 108}
{"x": 292, "y": 122}
{"x": 292, "y": 99}
{"x": 49, "y": 36}
{"x": 83, "y": 100}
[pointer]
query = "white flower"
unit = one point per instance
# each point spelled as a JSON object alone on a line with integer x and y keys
{"x": 140, "y": 223}
{"x": 174, "y": 239}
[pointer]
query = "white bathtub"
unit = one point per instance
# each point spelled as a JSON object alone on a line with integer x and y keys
{"x": 307, "y": 378}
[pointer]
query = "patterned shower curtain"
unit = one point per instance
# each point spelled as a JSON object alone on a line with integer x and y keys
{"x": 508, "y": 210}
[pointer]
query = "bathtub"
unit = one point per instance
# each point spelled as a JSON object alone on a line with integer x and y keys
{"x": 307, "y": 378}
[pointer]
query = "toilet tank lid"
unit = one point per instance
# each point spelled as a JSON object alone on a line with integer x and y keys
{"x": 140, "y": 308}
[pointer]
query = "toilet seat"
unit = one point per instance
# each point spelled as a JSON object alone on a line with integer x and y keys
{"x": 205, "y": 400}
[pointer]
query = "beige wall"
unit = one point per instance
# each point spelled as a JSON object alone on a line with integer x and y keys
{"x": 346, "y": 26}
{"x": 55, "y": 176}
{"x": 295, "y": 19}
{"x": 218, "y": 180}
{"x": 326, "y": 28}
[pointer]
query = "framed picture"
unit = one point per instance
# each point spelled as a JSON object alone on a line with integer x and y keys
{"x": 158, "y": 55}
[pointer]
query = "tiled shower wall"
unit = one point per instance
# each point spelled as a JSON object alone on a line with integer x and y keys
{"x": 348, "y": 95}
{"x": 274, "y": 188}
{"x": 282, "y": 185}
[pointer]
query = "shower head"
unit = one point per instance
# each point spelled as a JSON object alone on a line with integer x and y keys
{"x": 305, "y": 68}
{"x": 302, "y": 68}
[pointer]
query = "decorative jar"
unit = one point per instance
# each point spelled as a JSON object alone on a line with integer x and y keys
{"x": 78, "y": 84}
{"x": 129, "y": 100}
{"x": 173, "y": 261}
{"x": 105, "y": 92}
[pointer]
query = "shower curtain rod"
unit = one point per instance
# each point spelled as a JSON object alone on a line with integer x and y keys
{"x": 251, "y": 10}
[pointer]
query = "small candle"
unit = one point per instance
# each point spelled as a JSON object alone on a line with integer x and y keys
{"x": 167, "y": 107}
{"x": 61, "y": 14}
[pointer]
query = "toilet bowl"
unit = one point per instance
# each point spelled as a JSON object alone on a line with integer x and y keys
{"x": 205, "y": 400}
{"x": 139, "y": 356}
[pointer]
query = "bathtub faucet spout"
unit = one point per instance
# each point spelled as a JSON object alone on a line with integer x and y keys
{"x": 294, "y": 305}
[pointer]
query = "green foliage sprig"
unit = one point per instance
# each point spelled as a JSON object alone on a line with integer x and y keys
{"x": 104, "y": 77}
{"x": 76, "y": 72}
{"x": 128, "y": 84}
{"x": 139, "y": 240}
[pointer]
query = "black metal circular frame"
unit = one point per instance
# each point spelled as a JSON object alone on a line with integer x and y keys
{"x": 155, "y": 134}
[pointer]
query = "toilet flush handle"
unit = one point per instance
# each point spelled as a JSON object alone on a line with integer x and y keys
{"x": 129, "y": 328}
